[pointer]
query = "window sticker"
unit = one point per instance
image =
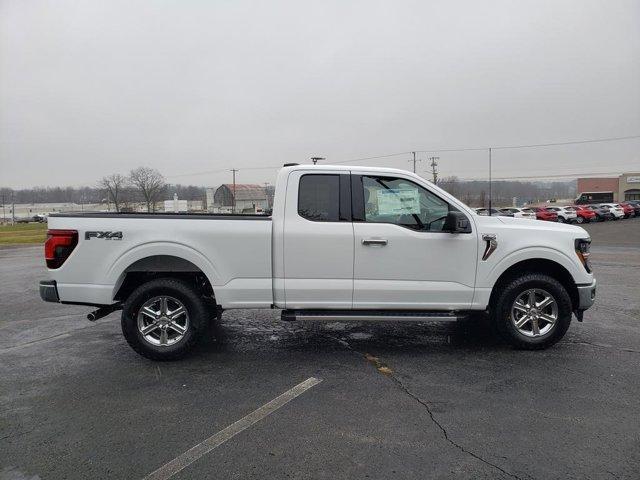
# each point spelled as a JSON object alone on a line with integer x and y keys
{"x": 398, "y": 201}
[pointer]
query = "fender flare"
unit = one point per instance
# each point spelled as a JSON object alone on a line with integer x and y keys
{"x": 116, "y": 273}
{"x": 529, "y": 253}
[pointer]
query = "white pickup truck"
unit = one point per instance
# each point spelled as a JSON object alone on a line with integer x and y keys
{"x": 343, "y": 243}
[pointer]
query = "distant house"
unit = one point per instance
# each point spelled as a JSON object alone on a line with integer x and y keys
{"x": 249, "y": 198}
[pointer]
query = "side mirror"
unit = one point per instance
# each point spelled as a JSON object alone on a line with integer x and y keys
{"x": 457, "y": 222}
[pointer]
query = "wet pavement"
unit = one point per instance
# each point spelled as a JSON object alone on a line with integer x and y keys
{"x": 428, "y": 400}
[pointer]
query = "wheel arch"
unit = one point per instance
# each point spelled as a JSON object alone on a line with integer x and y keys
{"x": 160, "y": 259}
{"x": 538, "y": 265}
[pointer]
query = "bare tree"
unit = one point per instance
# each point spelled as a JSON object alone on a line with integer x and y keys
{"x": 150, "y": 183}
{"x": 450, "y": 184}
{"x": 114, "y": 185}
{"x": 483, "y": 199}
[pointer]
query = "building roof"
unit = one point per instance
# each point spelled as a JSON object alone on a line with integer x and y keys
{"x": 247, "y": 191}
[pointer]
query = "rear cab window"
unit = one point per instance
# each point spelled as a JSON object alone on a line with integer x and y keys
{"x": 319, "y": 197}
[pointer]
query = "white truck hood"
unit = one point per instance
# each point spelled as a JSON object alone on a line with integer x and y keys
{"x": 544, "y": 225}
{"x": 488, "y": 222}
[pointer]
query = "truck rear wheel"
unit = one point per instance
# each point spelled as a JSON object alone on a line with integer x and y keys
{"x": 533, "y": 311}
{"x": 163, "y": 318}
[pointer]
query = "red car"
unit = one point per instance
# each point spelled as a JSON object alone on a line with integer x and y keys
{"x": 544, "y": 214}
{"x": 585, "y": 215}
{"x": 628, "y": 210}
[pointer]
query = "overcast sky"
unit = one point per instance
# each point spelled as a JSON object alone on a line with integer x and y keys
{"x": 89, "y": 88}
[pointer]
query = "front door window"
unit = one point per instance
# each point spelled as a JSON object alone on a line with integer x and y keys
{"x": 402, "y": 202}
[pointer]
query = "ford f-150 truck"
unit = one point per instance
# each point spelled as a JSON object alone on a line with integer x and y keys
{"x": 343, "y": 243}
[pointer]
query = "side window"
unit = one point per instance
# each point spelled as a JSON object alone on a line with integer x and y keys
{"x": 402, "y": 202}
{"x": 319, "y": 198}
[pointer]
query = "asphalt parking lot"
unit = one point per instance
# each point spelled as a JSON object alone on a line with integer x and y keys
{"x": 429, "y": 400}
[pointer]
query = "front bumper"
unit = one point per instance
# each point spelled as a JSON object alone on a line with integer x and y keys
{"x": 586, "y": 295}
{"x": 49, "y": 291}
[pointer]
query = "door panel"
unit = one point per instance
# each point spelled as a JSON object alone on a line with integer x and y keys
{"x": 414, "y": 270}
{"x": 318, "y": 249}
{"x": 403, "y": 259}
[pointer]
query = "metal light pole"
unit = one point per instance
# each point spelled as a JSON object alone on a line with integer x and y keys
{"x": 490, "y": 188}
{"x": 414, "y": 161}
{"x": 233, "y": 208}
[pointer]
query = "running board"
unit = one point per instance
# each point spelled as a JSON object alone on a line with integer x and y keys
{"x": 368, "y": 316}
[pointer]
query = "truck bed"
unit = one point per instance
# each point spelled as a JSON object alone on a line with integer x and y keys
{"x": 233, "y": 251}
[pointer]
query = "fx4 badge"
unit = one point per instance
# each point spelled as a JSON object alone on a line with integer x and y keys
{"x": 105, "y": 235}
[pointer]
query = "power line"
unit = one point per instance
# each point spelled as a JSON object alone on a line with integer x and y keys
{"x": 436, "y": 150}
{"x": 362, "y": 159}
{"x": 499, "y": 147}
{"x": 534, "y": 145}
{"x": 575, "y": 142}
{"x": 219, "y": 170}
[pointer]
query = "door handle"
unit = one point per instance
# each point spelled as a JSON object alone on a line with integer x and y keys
{"x": 374, "y": 241}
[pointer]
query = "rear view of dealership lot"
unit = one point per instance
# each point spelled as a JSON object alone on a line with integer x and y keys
{"x": 408, "y": 401}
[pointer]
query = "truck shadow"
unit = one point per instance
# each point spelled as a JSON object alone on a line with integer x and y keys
{"x": 237, "y": 333}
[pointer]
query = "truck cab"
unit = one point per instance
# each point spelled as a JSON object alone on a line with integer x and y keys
{"x": 348, "y": 238}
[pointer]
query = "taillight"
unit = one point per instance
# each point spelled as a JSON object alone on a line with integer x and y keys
{"x": 59, "y": 245}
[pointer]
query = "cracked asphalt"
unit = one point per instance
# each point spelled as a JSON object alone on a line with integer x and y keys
{"x": 428, "y": 400}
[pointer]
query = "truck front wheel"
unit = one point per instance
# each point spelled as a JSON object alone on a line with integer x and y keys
{"x": 532, "y": 311}
{"x": 163, "y": 318}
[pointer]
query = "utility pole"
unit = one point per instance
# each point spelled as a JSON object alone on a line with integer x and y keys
{"x": 490, "y": 192}
{"x": 414, "y": 161}
{"x": 434, "y": 168}
{"x": 233, "y": 208}
{"x": 315, "y": 159}
{"x": 266, "y": 194}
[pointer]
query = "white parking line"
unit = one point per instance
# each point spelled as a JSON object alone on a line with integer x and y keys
{"x": 194, "y": 453}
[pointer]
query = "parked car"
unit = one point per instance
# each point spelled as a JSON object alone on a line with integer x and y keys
{"x": 565, "y": 214}
{"x": 544, "y": 214}
{"x": 636, "y": 206}
{"x": 494, "y": 212}
{"x": 584, "y": 214}
{"x": 616, "y": 210}
{"x": 396, "y": 247}
{"x": 602, "y": 213}
{"x": 519, "y": 212}
{"x": 627, "y": 209}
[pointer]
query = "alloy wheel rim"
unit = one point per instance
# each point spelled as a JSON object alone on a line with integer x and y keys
{"x": 534, "y": 312}
{"x": 163, "y": 321}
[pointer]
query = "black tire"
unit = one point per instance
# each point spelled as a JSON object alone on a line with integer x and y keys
{"x": 507, "y": 295}
{"x": 197, "y": 312}
{"x": 580, "y": 220}
{"x": 561, "y": 219}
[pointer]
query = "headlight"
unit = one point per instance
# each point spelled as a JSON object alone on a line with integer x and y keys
{"x": 583, "y": 250}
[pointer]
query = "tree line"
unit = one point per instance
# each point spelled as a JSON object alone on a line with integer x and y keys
{"x": 142, "y": 185}
{"x": 475, "y": 193}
